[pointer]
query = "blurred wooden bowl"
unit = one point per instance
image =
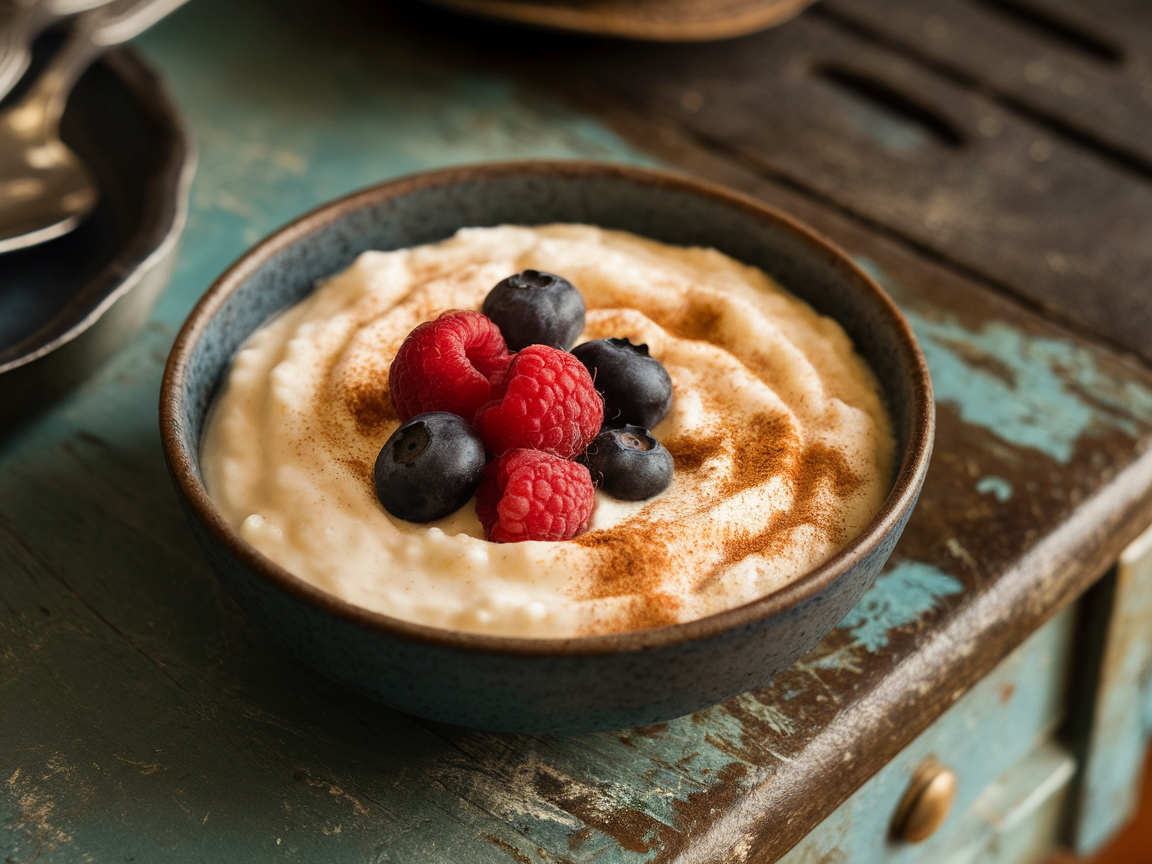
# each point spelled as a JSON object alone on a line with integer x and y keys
{"x": 656, "y": 20}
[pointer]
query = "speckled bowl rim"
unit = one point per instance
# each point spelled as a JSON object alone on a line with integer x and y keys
{"x": 182, "y": 464}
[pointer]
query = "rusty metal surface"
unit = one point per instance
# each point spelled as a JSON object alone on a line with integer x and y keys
{"x": 142, "y": 714}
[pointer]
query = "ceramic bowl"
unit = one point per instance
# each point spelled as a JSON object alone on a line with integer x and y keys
{"x": 68, "y": 304}
{"x": 539, "y": 685}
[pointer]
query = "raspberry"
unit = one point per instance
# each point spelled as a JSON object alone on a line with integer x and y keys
{"x": 449, "y": 364}
{"x": 529, "y": 495}
{"x": 546, "y": 401}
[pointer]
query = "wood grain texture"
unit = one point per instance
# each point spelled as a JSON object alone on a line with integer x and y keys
{"x": 142, "y": 715}
{"x": 1083, "y": 68}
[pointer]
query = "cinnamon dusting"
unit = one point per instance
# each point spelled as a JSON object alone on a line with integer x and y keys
{"x": 699, "y": 318}
{"x": 690, "y": 454}
{"x": 637, "y": 555}
{"x": 369, "y": 401}
{"x": 819, "y": 465}
{"x": 634, "y": 559}
{"x": 767, "y": 447}
{"x": 362, "y": 470}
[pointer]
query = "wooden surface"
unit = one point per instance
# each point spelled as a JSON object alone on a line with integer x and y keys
{"x": 143, "y": 717}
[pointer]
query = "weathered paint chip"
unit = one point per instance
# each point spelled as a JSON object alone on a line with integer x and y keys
{"x": 1032, "y": 391}
{"x": 900, "y": 596}
{"x": 1000, "y": 488}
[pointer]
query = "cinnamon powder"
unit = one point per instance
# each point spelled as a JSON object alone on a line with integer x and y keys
{"x": 635, "y": 556}
{"x": 369, "y": 401}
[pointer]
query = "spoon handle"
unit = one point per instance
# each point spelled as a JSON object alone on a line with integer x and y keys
{"x": 21, "y": 22}
{"x": 93, "y": 33}
{"x": 126, "y": 19}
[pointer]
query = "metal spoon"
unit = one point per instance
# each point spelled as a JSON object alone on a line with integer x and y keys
{"x": 21, "y": 21}
{"x": 45, "y": 189}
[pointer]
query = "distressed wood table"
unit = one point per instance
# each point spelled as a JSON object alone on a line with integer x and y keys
{"x": 989, "y": 161}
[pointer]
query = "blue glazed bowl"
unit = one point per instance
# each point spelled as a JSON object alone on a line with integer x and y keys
{"x": 543, "y": 685}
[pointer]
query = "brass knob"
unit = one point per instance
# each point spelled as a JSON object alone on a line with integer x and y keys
{"x": 926, "y": 804}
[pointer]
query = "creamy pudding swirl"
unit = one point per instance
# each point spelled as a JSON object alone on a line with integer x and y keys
{"x": 782, "y": 447}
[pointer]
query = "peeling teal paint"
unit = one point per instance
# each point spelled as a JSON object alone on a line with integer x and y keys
{"x": 769, "y": 714}
{"x": 998, "y": 486}
{"x": 843, "y": 658}
{"x": 680, "y": 747}
{"x": 1031, "y": 391}
{"x": 899, "y": 597}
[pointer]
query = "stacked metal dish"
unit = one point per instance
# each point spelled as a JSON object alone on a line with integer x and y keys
{"x": 67, "y": 304}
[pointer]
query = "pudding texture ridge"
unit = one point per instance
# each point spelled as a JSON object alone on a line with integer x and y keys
{"x": 782, "y": 447}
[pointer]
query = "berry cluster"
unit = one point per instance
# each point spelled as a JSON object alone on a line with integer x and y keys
{"x": 524, "y": 432}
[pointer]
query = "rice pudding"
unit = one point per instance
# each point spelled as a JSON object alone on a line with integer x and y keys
{"x": 782, "y": 448}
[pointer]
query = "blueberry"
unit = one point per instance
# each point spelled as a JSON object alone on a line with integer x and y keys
{"x": 635, "y": 386}
{"x": 628, "y": 463}
{"x": 535, "y": 308}
{"x": 430, "y": 467}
